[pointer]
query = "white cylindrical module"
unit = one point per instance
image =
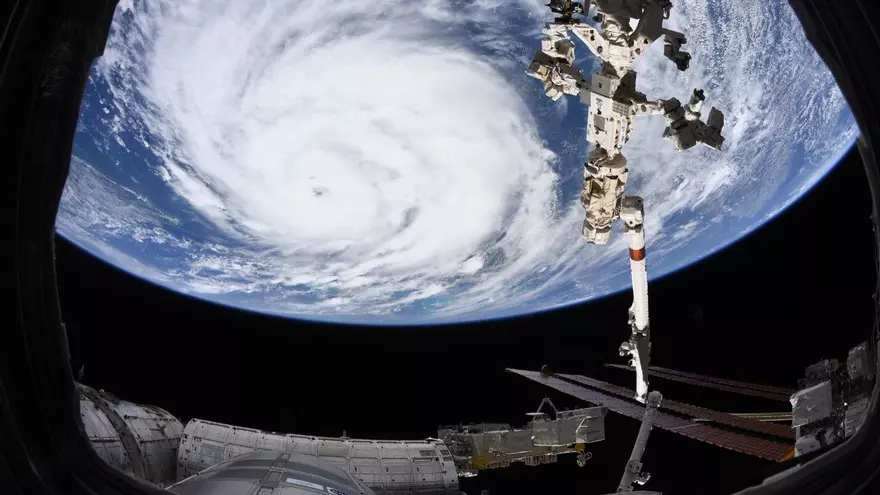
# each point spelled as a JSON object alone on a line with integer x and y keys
{"x": 267, "y": 473}
{"x": 137, "y": 439}
{"x": 386, "y": 466}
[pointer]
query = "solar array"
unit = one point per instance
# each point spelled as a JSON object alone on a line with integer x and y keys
{"x": 692, "y": 411}
{"x": 676, "y": 417}
{"x": 743, "y": 388}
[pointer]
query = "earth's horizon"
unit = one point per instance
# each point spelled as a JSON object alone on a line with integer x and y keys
{"x": 393, "y": 165}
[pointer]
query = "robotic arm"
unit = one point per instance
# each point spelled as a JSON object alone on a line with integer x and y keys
{"x": 638, "y": 347}
{"x": 633, "y": 474}
{"x": 614, "y": 102}
{"x": 604, "y": 183}
{"x": 594, "y": 39}
{"x": 650, "y": 26}
{"x": 672, "y": 41}
{"x": 684, "y": 127}
{"x": 557, "y": 77}
{"x": 613, "y": 17}
{"x": 566, "y": 10}
{"x": 552, "y": 64}
{"x": 644, "y": 107}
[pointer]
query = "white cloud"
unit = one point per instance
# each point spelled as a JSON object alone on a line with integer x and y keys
{"x": 353, "y": 141}
{"x": 381, "y": 153}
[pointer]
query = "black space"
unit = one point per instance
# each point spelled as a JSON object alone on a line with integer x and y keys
{"x": 796, "y": 291}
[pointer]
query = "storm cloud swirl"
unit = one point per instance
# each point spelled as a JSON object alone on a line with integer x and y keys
{"x": 375, "y": 151}
{"x": 390, "y": 161}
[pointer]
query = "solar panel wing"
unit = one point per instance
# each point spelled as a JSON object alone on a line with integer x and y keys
{"x": 734, "y": 383}
{"x": 700, "y": 381}
{"x": 739, "y": 442}
{"x": 692, "y": 411}
{"x": 620, "y": 406}
{"x": 777, "y": 430}
{"x": 745, "y": 444}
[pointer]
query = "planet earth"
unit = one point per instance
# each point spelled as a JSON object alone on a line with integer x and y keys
{"x": 390, "y": 162}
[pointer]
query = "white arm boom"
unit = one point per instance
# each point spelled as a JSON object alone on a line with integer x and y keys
{"x": 638, "y": 346}
{"x": 594, "y": 40}
{"x": 614, "y": 103}
{"x": 632, "y": 213}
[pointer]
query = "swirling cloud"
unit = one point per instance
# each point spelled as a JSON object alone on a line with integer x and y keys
{"x": 377, "y": 160}
{"x": 375, "y": 150}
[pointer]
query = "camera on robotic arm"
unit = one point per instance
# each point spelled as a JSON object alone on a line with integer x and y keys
{"x": 672, "y": 41}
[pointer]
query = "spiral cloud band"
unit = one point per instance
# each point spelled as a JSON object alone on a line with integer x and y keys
{"x": 367, "y": 148}
{"x": 390, "y": 161}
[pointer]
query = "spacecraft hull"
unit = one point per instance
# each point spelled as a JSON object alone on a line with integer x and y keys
{"x": 422, "y": 467}
{"x": 136, "y": 439}
{"x": 271, "y": 473}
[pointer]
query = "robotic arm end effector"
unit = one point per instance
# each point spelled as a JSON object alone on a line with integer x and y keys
{"x": 557, "y": 76}
{"x": 567, "y": 10}
{"x": 672, "y": 49}
{"x": 684, "y": 127}
{"x": 632, "y": 212}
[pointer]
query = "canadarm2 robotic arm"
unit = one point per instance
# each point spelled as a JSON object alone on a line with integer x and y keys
{"x": 552, "y": 64}
{"x": 638, "y": 347}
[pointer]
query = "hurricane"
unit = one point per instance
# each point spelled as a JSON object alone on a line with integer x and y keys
{"x": 391, "y": 161}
